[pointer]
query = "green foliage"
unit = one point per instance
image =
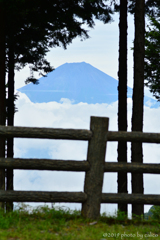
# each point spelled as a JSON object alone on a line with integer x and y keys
{"x": 155, "y": 210}
{"x": 62, "y": 223}
{"x": 151, "y": 6}
{"x": 121, "y": 216}
{"x": 153, "y": 213}
{"x": 152, "y": 57}
{"x": 33, "y": 27}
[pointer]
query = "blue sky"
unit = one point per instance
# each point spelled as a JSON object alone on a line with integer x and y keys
{"x": 101, "y": 51}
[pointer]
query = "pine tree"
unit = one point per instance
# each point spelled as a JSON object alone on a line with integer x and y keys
{"x": 138, "y": 95}
{"x": 2, "y": 94}
{"x": 122, "y": 98}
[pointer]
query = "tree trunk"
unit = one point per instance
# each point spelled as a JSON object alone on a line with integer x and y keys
{"x": 2, "y": 94}
{"x": 10, "y": 153}
{"x": 122, "y": 99}
{"x": 138, "y": 95}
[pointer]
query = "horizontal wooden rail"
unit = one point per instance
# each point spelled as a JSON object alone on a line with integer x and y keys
{"x": 39, "y": 196}
{"x": 133, "y": 137}
{"x": 131, "y": 167}
{"x": 47, "y": 133}
{"x": 44, "y": 164}
{"x": 77, "y": 166}
{"x": 130, "y": 198}
{"x": 76, "y": 134}
{"x": 76, "y": 197}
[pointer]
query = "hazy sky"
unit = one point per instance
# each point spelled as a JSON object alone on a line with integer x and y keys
{"x": 101, "y": 51}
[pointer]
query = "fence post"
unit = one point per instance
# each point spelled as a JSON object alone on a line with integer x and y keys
{"x": 96, "y": 158}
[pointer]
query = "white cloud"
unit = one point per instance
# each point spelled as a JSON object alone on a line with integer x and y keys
{"x": 77, "y": 116}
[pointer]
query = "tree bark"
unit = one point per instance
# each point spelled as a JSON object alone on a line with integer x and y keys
{"x": 122, "y": 99}
{"x": 138, "y": 95}
{"x": 10, "y": 143}
{"x": 2, "y": 94}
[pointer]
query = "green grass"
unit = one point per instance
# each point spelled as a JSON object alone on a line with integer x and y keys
{"x": 44, "y": 223}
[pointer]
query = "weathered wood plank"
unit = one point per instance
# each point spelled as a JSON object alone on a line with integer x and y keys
{"x": 133, "y": 136}
{"x": 48, "y": 133}
{"x": 77, "y": 197}
{"x": 76, "y": 134}
{"x": 77, "y": 166}
{"x": 130, "y": 198}
{"x": 94, "y": 177}
{"x": 44, "y": 164}
{"x": 132, "y": 167}
{"x": 39, "y": 196}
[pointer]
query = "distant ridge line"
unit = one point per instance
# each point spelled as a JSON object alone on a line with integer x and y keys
{"x": 79, "y": 82}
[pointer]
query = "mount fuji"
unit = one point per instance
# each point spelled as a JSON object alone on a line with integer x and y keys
{"x": 79, "y": 82}
{"x": 84, "y": 83}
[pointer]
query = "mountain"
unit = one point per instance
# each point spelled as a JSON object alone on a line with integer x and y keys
{"x": 80, "y": 82}
{"x": 149, "y": 214}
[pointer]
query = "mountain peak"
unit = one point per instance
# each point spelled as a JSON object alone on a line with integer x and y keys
{"x": 79, "y": 82}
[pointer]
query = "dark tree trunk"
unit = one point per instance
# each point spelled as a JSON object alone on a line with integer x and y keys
{"x": 2, "y": 94}
{"x": 138, "y": 95}
{"x": 122, "y": 99}
{"x": 9, "y": 205}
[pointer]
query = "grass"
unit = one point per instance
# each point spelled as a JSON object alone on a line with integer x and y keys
{"x": 44, "y": 223}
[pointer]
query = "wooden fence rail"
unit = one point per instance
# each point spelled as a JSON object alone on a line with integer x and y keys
{"x": 76, "y": 197}
{"x": 44, "y": 164}
{"x": 76, "y": 166}
{"x": 41, "y": 196}
{"x": 47, "y": 133}
{"x": 133, "y": 137}
{"x": 76, "y": 134}
{"x": 95, "y": 166}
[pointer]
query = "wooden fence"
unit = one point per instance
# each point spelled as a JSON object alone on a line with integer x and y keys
{"x": 95, "y": 166}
